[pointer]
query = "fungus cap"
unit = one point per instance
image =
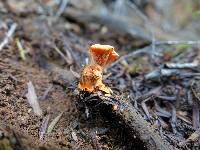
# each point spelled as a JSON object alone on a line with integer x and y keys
{"x": 102, "y": 54}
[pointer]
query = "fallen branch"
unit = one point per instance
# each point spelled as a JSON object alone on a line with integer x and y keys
{"x": 124, "y": 114}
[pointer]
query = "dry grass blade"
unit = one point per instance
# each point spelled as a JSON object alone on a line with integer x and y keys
{"x": 33, "y": 100}
{"x": 54, "y": 122}
{"x": 21, "y": 49}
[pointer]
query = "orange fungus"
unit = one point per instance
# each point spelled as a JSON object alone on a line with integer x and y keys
{"x": 91, "y": 74}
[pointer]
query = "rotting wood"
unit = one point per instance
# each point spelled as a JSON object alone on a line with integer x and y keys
{"x": 123, "y": 113}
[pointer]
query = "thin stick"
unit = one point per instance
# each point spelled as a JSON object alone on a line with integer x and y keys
{"x": 43, "y": 127}
{"x": 46, "y": 92}
{"x": 69, "y": 61}
{"x": 8, "y": 35}
{"x": 62, "y": 8}
{"x": 147, "y": 23}
{"x": 133, "y": 54}
{"x": 174, "y": 42}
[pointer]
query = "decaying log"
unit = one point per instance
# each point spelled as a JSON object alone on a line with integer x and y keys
{"x": 126, "y": 115}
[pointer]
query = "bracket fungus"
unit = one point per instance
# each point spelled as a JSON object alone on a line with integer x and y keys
{"x": 91, "y": 74}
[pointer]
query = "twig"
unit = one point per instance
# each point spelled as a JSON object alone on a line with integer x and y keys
{"x": 160, "y": 73}
{"x": 154, "y": 74}
{"x": 193, "y": 137}
{"x": 184, "y": 118}
{"x": 8, "y": 35}
{"x": 95, "y": 141}
{"x": 43, "y": 127}
{"x": 119, "y": 7}
{"x": 148, "y": 24}
{"x": 61, "y": 8}
{"x": 189, "y": 42}
{"x": 68, "y": 50}
{"x": 189, "y": 75}
{"x": 173, "y": 118}
{"x": 189, "y": 97}
{"x": 168, "y": 98}
{"x": 69, "y": 61}
{"x": 133, "y": 54}
{"x": 182, "y": 66}
{"x": 46, "y": 92}
{"x": 195, "y": 115}
{"x": 145, "y": 109}
{"x": 161, "y": 112}
{"x": 138, "y": 12}
{"x": 77, "y": 75}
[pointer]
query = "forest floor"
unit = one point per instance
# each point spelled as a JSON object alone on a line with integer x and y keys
{"x": 162, "y": 85}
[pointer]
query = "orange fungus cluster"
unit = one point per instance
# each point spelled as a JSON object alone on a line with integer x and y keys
{"x": 91, "y": 74}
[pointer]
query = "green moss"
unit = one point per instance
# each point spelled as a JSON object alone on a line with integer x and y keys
{"x": 180, "y": 48}
{"x": 176, "y": 50}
